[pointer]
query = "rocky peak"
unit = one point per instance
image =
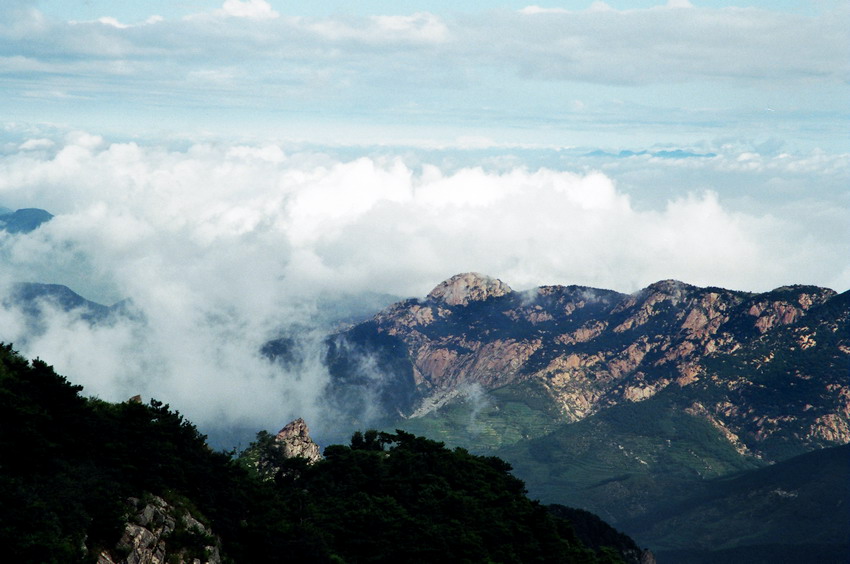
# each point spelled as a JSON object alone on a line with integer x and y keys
{"x": 294, "y": 440}
{"x": 150, "y": 524}
{"x": 786, "y": 305}
{"x": 673, "y": 290}
{"x": 468, "y": 287}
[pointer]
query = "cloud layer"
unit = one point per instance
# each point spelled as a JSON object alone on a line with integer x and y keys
{"x": 222, "y": 246}
{"x": 675, "y": 68}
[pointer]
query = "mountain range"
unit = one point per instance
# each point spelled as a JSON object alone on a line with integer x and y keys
{"x": 708, "y": 424}
{"x": 639, "y": 407}
{"x": 767, "y": 370}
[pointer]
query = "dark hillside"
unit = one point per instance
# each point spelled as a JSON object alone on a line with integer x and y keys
{"x": 73, "y": 469}
{"x": 802, "y": 502}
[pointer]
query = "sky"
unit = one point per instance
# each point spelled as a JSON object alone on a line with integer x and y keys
{"x": 233, "y": 167}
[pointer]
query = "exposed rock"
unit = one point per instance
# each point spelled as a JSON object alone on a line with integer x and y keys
{"x": 831, "y": 427}
{"x": 647, "y": 557}
{"x": 471, "y": 286}
{"x": 772, "y": 313}
{"x": 726, "y": 410}
{"x": 643, "y": 390}
{"x": 583, "y": 334}
{"x": 268, "y": 454}
{"x": 590, "y": 349}
{"x": 294, "y": 441}
{"x": 146, "y": 538}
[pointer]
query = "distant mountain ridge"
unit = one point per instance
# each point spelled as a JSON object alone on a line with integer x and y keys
{"x": 23, "y": 220}
{"x": 32, "y": 297}
{"x": 638, "y": 407}
{"x": 727, "y": 356}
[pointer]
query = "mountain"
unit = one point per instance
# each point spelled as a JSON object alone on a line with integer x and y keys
{"x": 796, "y": 510}
{"x": 627, "y": 405}
{"x": 23, "y": 220}
{"x": 766, "y": 370}
{"x": 674, "y": 154}
{"x": 627, "y": 461}
{"x": 37, "y": 302}
{"x": 30, "y": 297}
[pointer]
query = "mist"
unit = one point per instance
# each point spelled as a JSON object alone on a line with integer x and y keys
{"x": 220, "y": 248}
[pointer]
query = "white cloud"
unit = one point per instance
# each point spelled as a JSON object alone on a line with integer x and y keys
{"x": 601, "y": 45}
{"x": 510, "y": 76}
{"x": 220, "y": 246}
{"x": 33, "y": 144}
{"x": 671, "y": 44}
{"x": 252, "y": 9}
{"x": 106, "y": 20}
{"x": 419, "y": 28}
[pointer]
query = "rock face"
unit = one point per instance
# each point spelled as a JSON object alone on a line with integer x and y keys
{"x": 157, "y": 532}
{"x": 468, "y": 287}
{"x": 269, "y": 454}
{"x": 294, "y": 441}
{"x": 647, "y": 557}
{"x": 765, "y": 369}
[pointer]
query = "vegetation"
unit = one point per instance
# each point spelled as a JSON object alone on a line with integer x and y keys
{"x": 799, "y": 502}
{"x": 69, "y": 463}
{"x": 487, "y": 421}
{"x": 626, "y": 461}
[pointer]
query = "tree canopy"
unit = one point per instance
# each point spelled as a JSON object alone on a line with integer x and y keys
{"x": 69, "y": 463}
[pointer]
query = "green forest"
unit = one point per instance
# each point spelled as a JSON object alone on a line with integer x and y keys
{"x": 69, "y": 463}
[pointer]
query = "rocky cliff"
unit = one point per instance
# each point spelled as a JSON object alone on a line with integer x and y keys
{"x": 269, "y": 454}
{"x": 767, "y": 370}
{"x": 294, "y": 441}
{"x": 157, "y": 532}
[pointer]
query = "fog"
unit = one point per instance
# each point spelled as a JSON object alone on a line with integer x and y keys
{"x": 222, "y": 247}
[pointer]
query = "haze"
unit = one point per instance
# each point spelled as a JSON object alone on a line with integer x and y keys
{"x": 234, "y": 167}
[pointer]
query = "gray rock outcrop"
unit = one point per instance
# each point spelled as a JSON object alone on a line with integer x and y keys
{"x": 468, "y": 287}
{"x": 294, "y": 440}
{"x": 149, "y": 537}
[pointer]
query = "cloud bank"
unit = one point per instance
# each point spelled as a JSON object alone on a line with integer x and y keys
{"x": 668, "y": 68}
{"x": 221, "y": 247}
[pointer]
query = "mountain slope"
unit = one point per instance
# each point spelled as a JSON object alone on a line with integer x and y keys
{"x": 31, "y": 298}
{"x": 726, "y": 356}
{"x": 803, "y": 501}
{"x": 626, "y": 405}
{"x": 84, "y": 480}
{"x": 627, "y": 461}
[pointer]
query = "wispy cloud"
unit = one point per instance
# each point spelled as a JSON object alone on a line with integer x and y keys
{"x": 483, "y": 66}
{"x": 220, "y": 246}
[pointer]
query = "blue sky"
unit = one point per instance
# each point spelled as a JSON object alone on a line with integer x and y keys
{"x": 233, "y": 165}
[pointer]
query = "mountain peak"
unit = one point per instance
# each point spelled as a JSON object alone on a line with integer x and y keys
{"x": 670, "y": 286}
{"x": 461, "y": 289}
{"x": 294, "y": 440}
{"x": 23, "y": 220}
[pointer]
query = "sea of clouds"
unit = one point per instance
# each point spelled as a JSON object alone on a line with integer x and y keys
{"x": 221, "y": 247}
